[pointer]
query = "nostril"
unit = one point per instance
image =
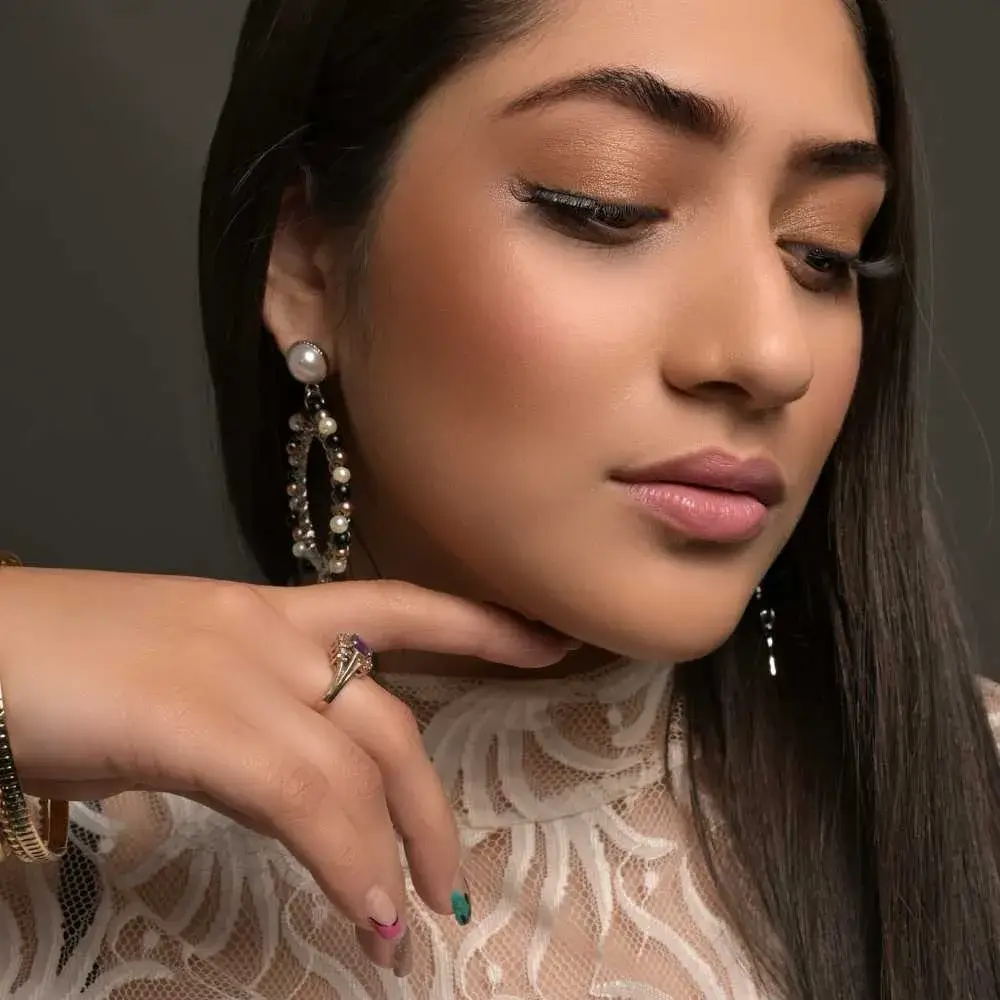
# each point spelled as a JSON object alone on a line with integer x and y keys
{"x": 720, "y": 389}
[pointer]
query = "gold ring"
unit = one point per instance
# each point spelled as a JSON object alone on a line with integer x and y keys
{"x": 350, "y": 657}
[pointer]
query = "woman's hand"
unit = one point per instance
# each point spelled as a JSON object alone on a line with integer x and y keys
{"x": 114, "y": 682}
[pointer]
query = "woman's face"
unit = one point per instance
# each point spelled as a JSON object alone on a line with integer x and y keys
{"x": 522, "y": 361}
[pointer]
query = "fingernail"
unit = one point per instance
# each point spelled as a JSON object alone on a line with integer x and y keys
{"x": 461, "y": 903}
{"x": 402, "y": 963}
{"x": 382, "y": 915}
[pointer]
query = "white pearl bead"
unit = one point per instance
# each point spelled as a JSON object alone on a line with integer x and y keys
{"x": 339, "y": 524}
{"x": 299, "y": 550}
{"x": 295, "y": 422}
{"x": 338, "y": 566}
{"x": 341, "y": 474}
{"x": 307, "y": 362}
{"x": 326, "y": 426}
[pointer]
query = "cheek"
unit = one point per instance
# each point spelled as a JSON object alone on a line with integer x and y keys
{"x": 486, "y": 339}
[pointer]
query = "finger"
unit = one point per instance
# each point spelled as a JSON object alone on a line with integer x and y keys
{"x": 391, "y": 614}
{"x": 386, "y": 730}
{"x": 296, "y": 776}
{"x": 397, "y": 956}
{"x": 389, "y": 954}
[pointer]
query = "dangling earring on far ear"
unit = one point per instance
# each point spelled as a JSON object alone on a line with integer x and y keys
{"x": 307, "y": 363}
{"x": 767, "y": 625}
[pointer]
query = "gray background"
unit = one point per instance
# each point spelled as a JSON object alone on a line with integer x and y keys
{"x": 107, "y": 450}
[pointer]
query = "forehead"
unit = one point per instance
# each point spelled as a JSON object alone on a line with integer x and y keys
{"x": 793, "y": 66}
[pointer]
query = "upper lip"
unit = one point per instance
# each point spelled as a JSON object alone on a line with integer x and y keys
{"x": 716, "y": 470}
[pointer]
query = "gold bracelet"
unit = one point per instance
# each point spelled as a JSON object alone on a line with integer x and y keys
{"x": 19, "y": 837}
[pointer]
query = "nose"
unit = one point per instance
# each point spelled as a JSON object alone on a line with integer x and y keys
{"x": 739, "y": 331}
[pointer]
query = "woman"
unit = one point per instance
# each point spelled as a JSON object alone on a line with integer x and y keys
{"x": 597, "y": 322}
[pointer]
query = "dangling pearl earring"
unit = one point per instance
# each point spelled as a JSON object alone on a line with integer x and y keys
{"x": 767, "y": 626}
{"x": 307, "y": 363}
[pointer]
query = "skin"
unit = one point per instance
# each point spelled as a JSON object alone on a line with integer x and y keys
{"x": 527, "y": 365}
{"x": 503, "y": 370}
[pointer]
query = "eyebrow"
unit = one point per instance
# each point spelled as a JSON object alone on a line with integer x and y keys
{"x": 699, "y": 117}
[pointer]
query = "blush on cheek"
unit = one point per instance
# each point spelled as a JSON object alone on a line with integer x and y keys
{"x": 490, "y": 321}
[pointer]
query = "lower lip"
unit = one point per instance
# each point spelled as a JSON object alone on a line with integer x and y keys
{"x": 698, "y": 512}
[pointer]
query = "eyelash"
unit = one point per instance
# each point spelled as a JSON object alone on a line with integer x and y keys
{"x": 580, "y": 211}
{"x": 608, "y": 223}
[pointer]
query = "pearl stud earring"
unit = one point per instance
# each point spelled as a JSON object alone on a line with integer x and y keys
{"x": 307, "y": 363}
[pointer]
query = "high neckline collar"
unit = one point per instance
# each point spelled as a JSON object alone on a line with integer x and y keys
{"x": 533, "y": 750}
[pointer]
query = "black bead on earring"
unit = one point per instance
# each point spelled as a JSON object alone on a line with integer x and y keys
{"x": 767, "y": 625}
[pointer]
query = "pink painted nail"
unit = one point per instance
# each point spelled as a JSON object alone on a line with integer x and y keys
{"x": 382, "y": 915}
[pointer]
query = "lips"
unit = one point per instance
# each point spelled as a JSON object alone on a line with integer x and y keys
{"x": 716, "y": 470}
{"x": 712, "y": 495}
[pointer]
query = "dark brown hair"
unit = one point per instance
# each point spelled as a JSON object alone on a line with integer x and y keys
{"x": 861, "y": 787}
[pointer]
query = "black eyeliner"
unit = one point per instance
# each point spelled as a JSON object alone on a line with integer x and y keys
{"x": 575, "y": 201}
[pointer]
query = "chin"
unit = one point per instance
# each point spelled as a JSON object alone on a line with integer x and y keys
{"x": 678, "y": 646}
{"x": 648, "y": 630}
{"x": 641, "y": 603}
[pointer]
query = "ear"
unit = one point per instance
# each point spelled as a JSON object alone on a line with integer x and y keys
{"x": 299, "y": 274}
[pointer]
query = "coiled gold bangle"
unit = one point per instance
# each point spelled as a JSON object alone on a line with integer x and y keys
{"x": 19, "y": 836}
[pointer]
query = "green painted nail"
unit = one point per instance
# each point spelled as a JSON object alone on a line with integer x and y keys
{"x": 461, "y": 906}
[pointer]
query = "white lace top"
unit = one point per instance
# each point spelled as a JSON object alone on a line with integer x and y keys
{"x": 583, "y": 873}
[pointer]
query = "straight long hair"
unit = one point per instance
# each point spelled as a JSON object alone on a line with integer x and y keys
{"x": 860, "y": 788}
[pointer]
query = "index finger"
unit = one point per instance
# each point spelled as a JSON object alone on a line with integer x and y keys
{"x": 391, "y": 614}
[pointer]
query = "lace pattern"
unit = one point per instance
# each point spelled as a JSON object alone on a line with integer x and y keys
{"x": 584, "y": 874}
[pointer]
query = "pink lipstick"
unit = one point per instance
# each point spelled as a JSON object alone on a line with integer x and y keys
{"x": 710, "y": 495}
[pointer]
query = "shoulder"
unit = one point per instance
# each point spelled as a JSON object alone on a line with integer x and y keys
{"x": 991, "y": 701}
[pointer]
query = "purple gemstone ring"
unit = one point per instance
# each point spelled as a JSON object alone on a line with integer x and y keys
{"x": 350, "y": 657}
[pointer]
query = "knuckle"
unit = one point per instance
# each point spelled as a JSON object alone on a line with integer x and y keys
{"x": 346, "y": 855}
{"x": 299, "y": 791}
{"x": 234, "y": 602}
{"x": 364, "y": 777}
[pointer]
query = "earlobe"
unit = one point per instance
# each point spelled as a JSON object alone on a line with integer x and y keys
{"x": 295, "y": 305}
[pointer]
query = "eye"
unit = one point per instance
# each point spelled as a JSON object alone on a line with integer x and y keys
{"x": 827, "y": 271}
{"x": 821, "y": 270}
{"x": 590, "y": 219}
